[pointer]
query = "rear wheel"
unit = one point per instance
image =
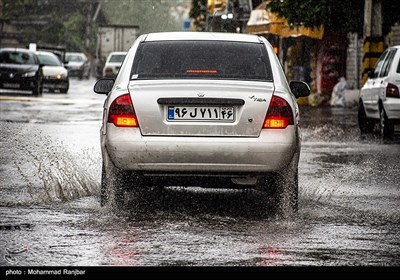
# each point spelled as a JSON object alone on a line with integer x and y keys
{"x": 287, "y": 193}
{"x": 115, "y": 183}
{"x": 283, "y": 189}
{"x": 386, "y": 127}
{"x": 111, "y": 189}
{"x": 365, "y": 124}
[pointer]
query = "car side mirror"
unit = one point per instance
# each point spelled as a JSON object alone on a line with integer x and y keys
{"x": 103, "y": 86}
{"x": 371, "y": 74}
{"x": 299, "y": 89}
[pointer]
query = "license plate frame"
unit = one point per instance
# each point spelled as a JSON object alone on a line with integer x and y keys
{"x": 12, "y": 85}
{"x": 182, "y": 113}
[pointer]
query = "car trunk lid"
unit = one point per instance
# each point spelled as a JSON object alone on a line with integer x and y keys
{"x": 200, "y": 107}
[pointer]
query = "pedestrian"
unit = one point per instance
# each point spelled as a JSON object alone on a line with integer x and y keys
{"x": 338, "y": 98}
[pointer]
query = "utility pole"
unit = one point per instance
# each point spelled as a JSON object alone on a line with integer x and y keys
{"x": 373, "y": 38}
{"x": 89, "y": 24}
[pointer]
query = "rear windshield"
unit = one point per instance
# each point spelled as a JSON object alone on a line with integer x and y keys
{"x": 201, "y": 60}
{"x": 119, "y": 58}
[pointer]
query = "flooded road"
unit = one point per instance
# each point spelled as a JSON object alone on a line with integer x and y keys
{"x": 50, "y": 213}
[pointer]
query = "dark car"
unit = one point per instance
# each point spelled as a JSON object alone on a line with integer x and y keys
{"x": 20, "y": 71}
{"x": 77, "y": 64}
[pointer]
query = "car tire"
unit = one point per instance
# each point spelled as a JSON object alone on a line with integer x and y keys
{"x": 287, "y": 193}
{"x": 64, "y": 90}
{"x": 111, "y": 189}
{"x": 88, "y": 75}
{"x": 115, "y": 183}
{"x": 386, "y": 127}
{"x": 283, "y": 189}
{"x": 37, "y": 90}
{"x": 365, "y": 124}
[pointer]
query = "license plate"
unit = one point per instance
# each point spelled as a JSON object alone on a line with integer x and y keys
{"x": 9, "y": 85}
{"x": 199, "y": 113}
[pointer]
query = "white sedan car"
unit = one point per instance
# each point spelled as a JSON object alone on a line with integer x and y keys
{"x": 380, "y": 97}
{"x": 55, "y": 75}
{"x": 201, "y": 109}
{"x": 113, "y": 64}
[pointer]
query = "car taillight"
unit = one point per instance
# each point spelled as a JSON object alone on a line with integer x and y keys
{"x": 392, "y": 91}
{"x": 108, "y": 70}
{"x": 279, "y": 114}
{"x": 121, "y": 112}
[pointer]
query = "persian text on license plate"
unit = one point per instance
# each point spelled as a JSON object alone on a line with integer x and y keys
{"x": 197, "y": 113}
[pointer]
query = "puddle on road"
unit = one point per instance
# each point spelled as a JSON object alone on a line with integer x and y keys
{"x": 38, "y": 168}
{"x": 339, "y": 222}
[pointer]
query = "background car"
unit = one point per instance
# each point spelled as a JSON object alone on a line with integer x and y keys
{"x": 379, "y": 97}
{"x": 78, "y": 65}
{"x": 113, "y": 64}
{"x": 55, "y": 75}
{"x": 20, "y": 71}
{"x": 201, "y": 109}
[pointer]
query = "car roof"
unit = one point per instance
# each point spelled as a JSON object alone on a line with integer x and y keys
{"x": 16, "y": 49}
{"x": 46, "y": 53}
{"x": 111, "y": 53}
{"x": 76, "y": 53}
{"x": 203, "y": 36}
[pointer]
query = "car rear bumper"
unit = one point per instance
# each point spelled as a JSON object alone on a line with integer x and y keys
{"x": 272, "y": 151}
{"x": 392, "y": 108}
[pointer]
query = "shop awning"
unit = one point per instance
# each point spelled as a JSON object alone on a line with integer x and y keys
{"x": 264, "y": 22}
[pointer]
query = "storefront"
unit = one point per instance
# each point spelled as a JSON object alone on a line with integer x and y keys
{"x": 297, "y": 47}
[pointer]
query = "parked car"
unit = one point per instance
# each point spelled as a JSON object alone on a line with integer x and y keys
{"x": 113, "y": 64}
{"x": 55, "y": 75}
{"x": 379, "y": 97}
{"x": 201, "y": 109}
{"x": 20, "y": 71}
{"x": 78, "y": 65}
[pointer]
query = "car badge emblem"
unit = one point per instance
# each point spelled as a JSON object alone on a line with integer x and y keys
{"x": 201, "y": 94}
{"x": 11, "y": 75}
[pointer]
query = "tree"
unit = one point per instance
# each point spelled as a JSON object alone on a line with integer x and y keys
{"x": 335, "y": 15}
{"x": 149, "y": 15}
{"x": 56, "y": 22}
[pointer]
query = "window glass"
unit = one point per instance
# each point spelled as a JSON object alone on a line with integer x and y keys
{"x": 379, "y": 63}
{"x": 386, "y": 64}
{"x": 16, "y": 57}
{"x": 48, "y": 59}
{"x": 202, "y": 60}
{"x": 117, "y": 58}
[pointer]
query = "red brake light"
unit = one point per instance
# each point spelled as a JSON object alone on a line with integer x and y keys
{"x": 201, "y": 71}
{"x": 392, "y": 91}
{"x": 279, "y": 114}
{"x": 121, "y": 112}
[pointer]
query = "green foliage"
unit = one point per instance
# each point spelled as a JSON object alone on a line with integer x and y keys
{"x": 63, "y": 22}
{"x": 337, "y": 15}
{"x": 149, "y": 15}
